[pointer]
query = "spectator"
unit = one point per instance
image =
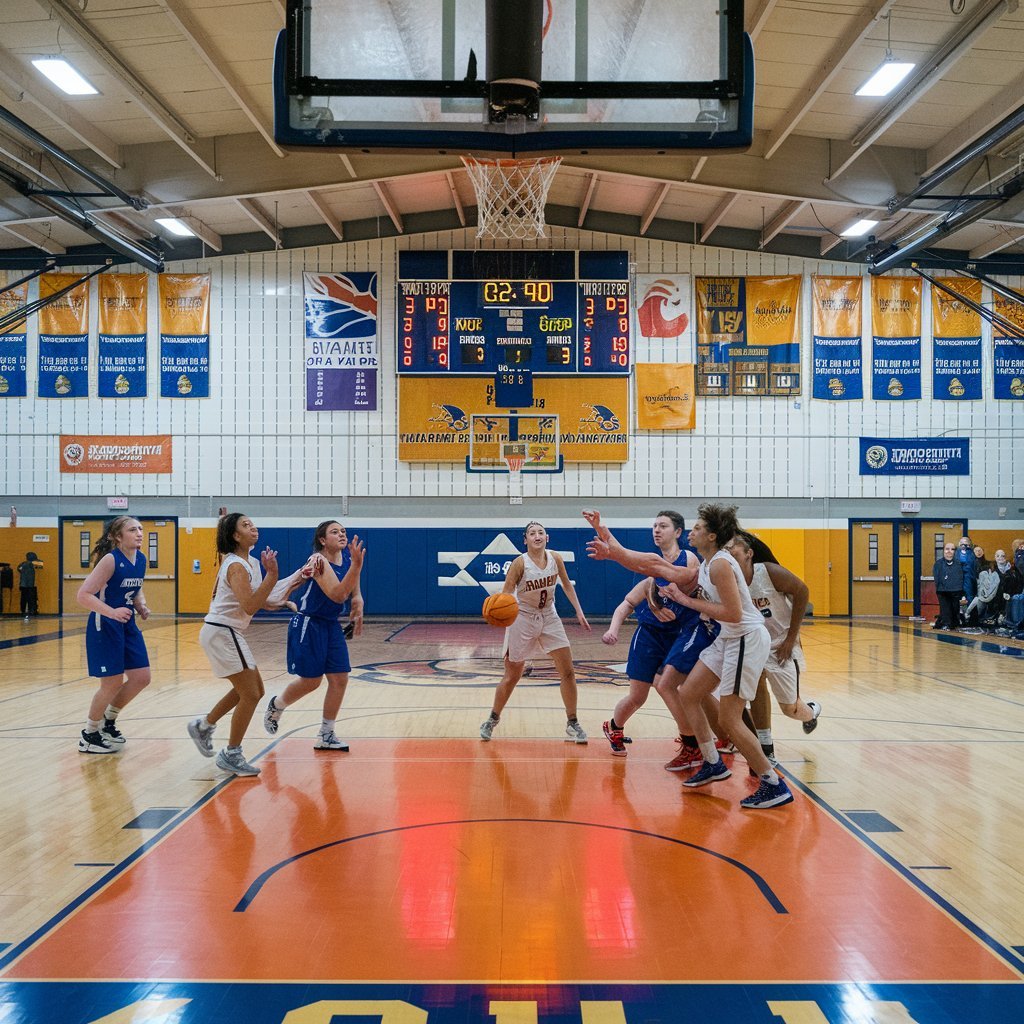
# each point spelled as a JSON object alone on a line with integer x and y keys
{"x": 1018, "y": 556}
{"x": 949, "y": 587}
{"x": 969, "y": 563}
{"x": 983, "y": 562}
{"x": 1011, "y": 582}
{"x": 27, "y": 583}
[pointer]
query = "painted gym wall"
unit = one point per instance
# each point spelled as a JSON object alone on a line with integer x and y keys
{"x": 253, "y": 437}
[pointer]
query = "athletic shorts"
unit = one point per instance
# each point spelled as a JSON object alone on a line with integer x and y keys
{"x": 648, "y": 651}
{"x": 316, "y": 647}
{"x": 226, "y": 648}
{"x": 738, "y": 662}
{"x": 784, "y": 678}
{"x": 533, "y": 634}
{"x": 686, "y": 651}
{"x": 112, "y": 647}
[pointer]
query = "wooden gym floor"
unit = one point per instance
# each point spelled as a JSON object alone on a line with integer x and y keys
{"x": 426, "y": 874}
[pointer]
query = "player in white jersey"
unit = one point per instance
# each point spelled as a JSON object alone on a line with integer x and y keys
{"x": 240, "y": 591}
{"x": 538, "y": 630}
{"x": 781, "y": 597}
{"x": 735, "y": 659}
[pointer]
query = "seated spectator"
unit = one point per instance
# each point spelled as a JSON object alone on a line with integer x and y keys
{"x": 1017, "y": 548}
{"x": 1011, "y": 582}
{"x": 984, "y": 609}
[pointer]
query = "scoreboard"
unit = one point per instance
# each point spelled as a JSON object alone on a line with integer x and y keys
{"x": 552, "y": 312}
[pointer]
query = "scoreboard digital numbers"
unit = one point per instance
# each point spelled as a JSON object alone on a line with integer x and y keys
{"x": 551, "y": 312}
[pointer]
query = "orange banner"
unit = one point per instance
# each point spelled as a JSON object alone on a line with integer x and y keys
{"x": 665, "y": 396}
{"x": 115, "y": 453}
{"x": 122, "y": 299}
{"x": 184, "y": 304}
{"x": 67, "y": 315}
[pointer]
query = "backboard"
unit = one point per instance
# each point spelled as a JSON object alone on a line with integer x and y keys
{"x": 514, "y": 76}
{"x": 511, "y": 442}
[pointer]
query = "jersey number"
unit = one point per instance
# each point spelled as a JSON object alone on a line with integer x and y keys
{"x": 543, "y": 599}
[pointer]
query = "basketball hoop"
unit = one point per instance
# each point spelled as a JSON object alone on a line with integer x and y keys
{"x": 510, "y": 195}
{"x": 514, "y": 454}
{"x": 515, "y": 463}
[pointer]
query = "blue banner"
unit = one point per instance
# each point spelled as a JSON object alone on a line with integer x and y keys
{"x": 13, "y": 365}
{"x": 956, "y": 369}
{"x": 184, "y": 335}
{"x": 895, "y": 368}
{"x": 122, "y": 366}
{"x": 1008, "y": 368}
{"x": 63, "y": 365}
{"x": 837, "y": 368}
{"x": 915, "y": 456}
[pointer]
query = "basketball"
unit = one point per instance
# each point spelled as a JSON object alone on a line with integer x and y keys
{"x": 654, "y": 599}
{"x": 500, "y": 610}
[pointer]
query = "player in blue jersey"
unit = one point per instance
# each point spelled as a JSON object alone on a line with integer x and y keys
{"x": 116, "y": 652}
{"x": 316, "y": 641}
{"x": 659, "y": 625}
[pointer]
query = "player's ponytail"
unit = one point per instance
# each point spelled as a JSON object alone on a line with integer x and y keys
{"x": 108, "y": 540}
{"x": 226, "y": 527}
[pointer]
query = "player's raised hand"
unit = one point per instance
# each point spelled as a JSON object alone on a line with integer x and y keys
{"x": 598, "y": 549}
{"x": 268, "y": 559}
{"x": 593, "y": 516}
{"x": 357, "y": 549}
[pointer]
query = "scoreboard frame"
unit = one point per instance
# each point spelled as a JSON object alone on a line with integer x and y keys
{"x": 473, "y": 313}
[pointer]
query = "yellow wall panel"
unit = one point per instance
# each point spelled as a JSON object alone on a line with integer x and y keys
{"x": 194, "y": 589}
{"x": 15, "y": 543}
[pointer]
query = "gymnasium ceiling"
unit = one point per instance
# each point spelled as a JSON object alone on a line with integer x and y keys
{"x": 184, "y": 119}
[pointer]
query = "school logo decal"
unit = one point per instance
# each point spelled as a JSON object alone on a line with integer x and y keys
{"x": 341, "y": 305}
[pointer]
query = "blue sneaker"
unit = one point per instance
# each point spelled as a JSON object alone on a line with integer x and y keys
{"x": 768, "y": 795}
{"x": 706, "y": 773}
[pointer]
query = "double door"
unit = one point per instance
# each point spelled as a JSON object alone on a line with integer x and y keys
{"x": 159, "y": 544}
{"x": 891, "y": 563}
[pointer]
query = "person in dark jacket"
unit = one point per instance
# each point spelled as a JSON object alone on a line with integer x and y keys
{"x": 949, "y": 587}
{"x": 27, "y": 584}
{"x": 969, "y": 562}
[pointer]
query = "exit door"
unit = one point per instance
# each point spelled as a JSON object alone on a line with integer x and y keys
{"x": 159, "y": 545}
{"x": 873, "y": 586}
{"x": 934, "y": 537}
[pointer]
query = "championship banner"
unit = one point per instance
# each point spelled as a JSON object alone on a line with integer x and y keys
{"x": 114, "y": 453}
{"x": 956, "y": 341}
{"x": 184, "y": 335}
{"x": 341, "y": 340}
{"x": 1008, "y": 353}
{"x": 663, "y": 314}
{"x": 122, "y": 331}
{"x": 895, "y": 338}
{"x": 748, "y": 336}
{"x": 837, "y": 362}
{"x": 915, "y": 456}
{"x": 665, "y": 396}
{"x": 64, "y": 338}
{"x": 433, "y": 416}
{"x": 13, "y": 344}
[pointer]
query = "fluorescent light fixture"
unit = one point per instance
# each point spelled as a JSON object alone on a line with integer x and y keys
{"x": 885, "y": 79}
{"x": 175, "y": 226}
{"x": 64, "y": 76}
{"x": 859, "y": 229}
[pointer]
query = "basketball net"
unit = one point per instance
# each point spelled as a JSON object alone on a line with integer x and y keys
{"x": 514, "y": 454}
{"x": 510, "y": 195}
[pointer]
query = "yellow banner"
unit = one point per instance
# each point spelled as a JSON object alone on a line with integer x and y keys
{"x": 434, "y": 416}
{"x": 665, "y": 396}
{"x": 69, "y": 314}
{"x": 122, "y": 299}
{"x": 773, "y": 310}
{"x": 950, "y": 317}
{"x": 11, "y": 300}
{"x": 896, "y": 307}
{"x": 184, "y": 304}
{"x": 1008, "y": 309}
{"x": 837, "y": 306}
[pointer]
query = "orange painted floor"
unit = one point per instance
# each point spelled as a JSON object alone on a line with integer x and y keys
{"x": 514, "y": 861}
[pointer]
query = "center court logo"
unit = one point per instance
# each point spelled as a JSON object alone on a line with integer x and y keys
{"x": 876, "y": 456}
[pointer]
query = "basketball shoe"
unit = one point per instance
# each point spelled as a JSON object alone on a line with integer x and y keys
{"x": 231, "y": 759}
{"x": 688, "y": 757}
{"x": 616, "y": 738}
{"x": 329, "y": 741}
{"x": 272, "y": 716}
{"x": 201, "y": 737}
{"x": 111, "y": 733}
{"x": 811, "y": 725}
{"x": 95, "y": 743}
{"x": 488, "y": 727}
{"x": 574, "y": 732}
{"x": 706, "y": 773}
{"x": 768, "y": 795}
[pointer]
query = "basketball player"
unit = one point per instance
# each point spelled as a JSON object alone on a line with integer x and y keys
{"x": 781, "y": 597}
{"x": 316, "y": 640}
{"x": 533, "y": 577}
{"x": 665, "y": 646}
{"x": 114, "y": 647}
{"x": 238, "y": 593}
{"x": 737, "y": 656}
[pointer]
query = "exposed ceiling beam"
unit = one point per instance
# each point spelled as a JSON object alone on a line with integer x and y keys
{"x": 718, "y": 215}
{"x": 655, "y": 205}
{"x": 780, "y": 220}
{"x": 347, "y": 161}
{"x": 1002, "y": 239}
{"x": 200, "y": 228}
{"x": 585, "y": 205}
{"x": 140, "y": 93}
{"x": 28, "y": 160}
{"x": 697, "y": 168}
{"x": 13, "y": 77}
{"x": 261, "y": 220}
{"x": 982, "y": 120}
{"x": 829, "y": 68}
{"x": 35, "y": 238}
{"x": 456, "y": 198}
{"x": 930, "y": 73}
{"x": 757, "y": 16}
{"x": 122, "y": 221}
{"x": 385, "y": 197}
{"x": 319, "y": 204}
{"x": 201, "y": 43}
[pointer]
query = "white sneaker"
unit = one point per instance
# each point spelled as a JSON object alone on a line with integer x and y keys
{"x": 272, "y": 717}
{"x": 202, "y": 738}
{"x": 95, "y": 743}
{"x": 812, "y": 724}
{"x": 574, "y": 733}
{"x": 329, "y": 741}
{"x": 487, "y": 728}
{"x": 232, "y": 760}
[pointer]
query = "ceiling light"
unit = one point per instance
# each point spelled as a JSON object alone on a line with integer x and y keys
{"x": 885, "y": 79}
{"x": 175, "y": 226}
{"x": 64, "y": 76}
{"x": 859, "y": 229}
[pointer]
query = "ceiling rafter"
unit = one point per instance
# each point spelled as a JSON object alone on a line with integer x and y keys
{"x": 784, "y": 217}
{"x": 140, "y": 93}
{"x": 12, "y": 76}
{"x": 587, "y": 199}
{"x": 35, "y": 238}
{"x": 385, "y": 197}
{"x": 199, "y": 227}
{"x": 1002, "y": 239}
{"x": 653, "y": 207}
{"x": 718, "y": 215}
{"x": 319, "y": 203}
{"x": 456, "y": 198}
{"x": 260, "y": 219}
